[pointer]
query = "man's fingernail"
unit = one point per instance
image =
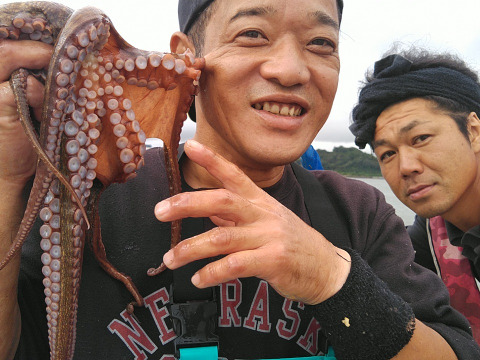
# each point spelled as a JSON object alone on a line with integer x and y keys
{"x": 168, "y": 258}
{"x": 161, "y": 208}
{"x": 196, "y": 279}
{"x": 193, "y": 144}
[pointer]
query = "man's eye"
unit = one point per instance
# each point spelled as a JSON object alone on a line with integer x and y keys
{"x": 254, "y": 34}
{"x": 323, "y": 42}
{"x": 386, "y": 155}
{"x": 420, "y": 138}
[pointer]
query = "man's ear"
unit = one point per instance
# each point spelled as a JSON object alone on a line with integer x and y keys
{"x": 179, "y": 43}
{"x": 474, "y": 131}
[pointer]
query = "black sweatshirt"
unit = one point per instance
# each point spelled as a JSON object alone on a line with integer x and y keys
{"x": 254, "y": 321}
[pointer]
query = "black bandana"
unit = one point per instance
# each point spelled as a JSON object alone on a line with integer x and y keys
{"x": 394, "y": 81}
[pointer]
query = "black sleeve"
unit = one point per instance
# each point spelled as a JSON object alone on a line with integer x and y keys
{"x": 381, "y": 239}
{"x": 419, "y": 237}
{"x": 421, "y": 288}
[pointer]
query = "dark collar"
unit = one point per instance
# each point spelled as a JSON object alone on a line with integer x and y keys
{"x": 469, "y": 241}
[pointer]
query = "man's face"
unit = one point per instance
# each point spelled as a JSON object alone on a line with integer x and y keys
{"x": 429, "y": 164}
{"x": 270, "y": 79}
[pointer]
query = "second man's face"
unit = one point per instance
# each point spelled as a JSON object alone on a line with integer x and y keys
{"x": 429, "y": 164}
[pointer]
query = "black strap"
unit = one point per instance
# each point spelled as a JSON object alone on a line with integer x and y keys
{"x": 324, "y": 215}
{"x": 183, "y": 290}
{"x": 193, "y": 310}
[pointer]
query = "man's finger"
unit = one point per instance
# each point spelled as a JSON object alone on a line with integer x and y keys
{"x": 238, "y": 265}
{"x": 221, "y": 222}
{"x": 218, "y": 241}
{"x": 22, "y": 54}
{"x": 8, "y": 107}
{"x": 231, "y": 177}
{"x": 221, "y": 203}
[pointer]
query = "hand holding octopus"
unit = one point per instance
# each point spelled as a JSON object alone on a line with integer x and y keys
{"x": 17, "y": 156}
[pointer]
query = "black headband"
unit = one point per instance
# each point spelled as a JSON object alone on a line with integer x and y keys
{"x": 394, "y": 81}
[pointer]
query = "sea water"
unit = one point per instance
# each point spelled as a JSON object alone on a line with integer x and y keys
{"x": 400, "y": 209}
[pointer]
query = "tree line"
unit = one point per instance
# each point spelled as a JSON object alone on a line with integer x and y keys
{"x": 350, "y": 162}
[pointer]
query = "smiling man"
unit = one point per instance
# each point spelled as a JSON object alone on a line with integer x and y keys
{"x": 285, "y": 263}
{"x": 419, "y": 112}
{"x": 245, "y": 119}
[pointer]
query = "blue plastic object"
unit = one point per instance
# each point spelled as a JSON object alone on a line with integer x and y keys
{"x": 196, "y": 353}
{"x": 311, "y": 159}
{"x": 211, "y": 353}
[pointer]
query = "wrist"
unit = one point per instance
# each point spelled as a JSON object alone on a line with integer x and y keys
{"x": 338, "y": 271}
{"x": 343, "y": 266}
{"x": 13, "y": 187}
{"x": 14, "y": 195}
{"x": 16, "y": 186}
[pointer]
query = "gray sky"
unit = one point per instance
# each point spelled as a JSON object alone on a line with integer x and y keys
{"x": 369, "y": 27}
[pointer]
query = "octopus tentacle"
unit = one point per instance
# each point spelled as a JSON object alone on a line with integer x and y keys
{"x": 39, "y": 189}
{"x": 103, "y": 98}
{"x": 98, "y": 248}
{"x": 18, "y": 82}
{"x": 41, "y": 22}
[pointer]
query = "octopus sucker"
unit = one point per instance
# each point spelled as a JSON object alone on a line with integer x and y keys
{"x": 103, "y": 98}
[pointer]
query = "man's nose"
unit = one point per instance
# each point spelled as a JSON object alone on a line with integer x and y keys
{"x": 409, "y": 162}
{"x": 286, "y": 64}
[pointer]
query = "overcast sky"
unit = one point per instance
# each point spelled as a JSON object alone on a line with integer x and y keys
{"x": 369, "y": 27}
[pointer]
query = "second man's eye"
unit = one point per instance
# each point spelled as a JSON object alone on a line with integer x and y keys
{"x": 420, "y": 138}
{"x": 386, "y": 155}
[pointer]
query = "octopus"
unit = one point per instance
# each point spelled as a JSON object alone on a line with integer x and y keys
{"x": 103, "y": 99}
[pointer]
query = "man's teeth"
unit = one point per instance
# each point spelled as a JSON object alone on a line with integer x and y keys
{"x": 287, "y": 110}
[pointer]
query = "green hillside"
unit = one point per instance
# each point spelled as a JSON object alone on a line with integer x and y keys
{"x": 350, "y": 162}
